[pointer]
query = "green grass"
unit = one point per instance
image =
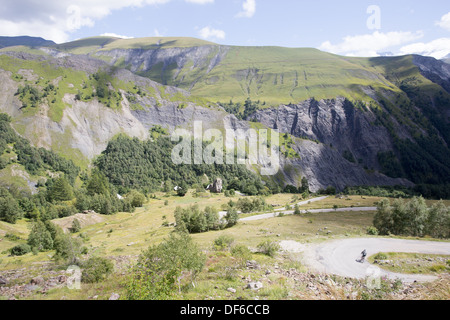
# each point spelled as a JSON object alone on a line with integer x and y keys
{"x": 127, "y": 234}
{"x": 414, "y": 263}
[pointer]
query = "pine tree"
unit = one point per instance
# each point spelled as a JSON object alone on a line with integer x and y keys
{"x": 61, "y": 190}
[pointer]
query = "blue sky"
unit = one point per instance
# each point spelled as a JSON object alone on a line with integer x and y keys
{"x": 341, "y": 27}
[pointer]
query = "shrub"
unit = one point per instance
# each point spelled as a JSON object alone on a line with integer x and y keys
{"x": 437, "y": 268}
{"x": 160, "y": 269}
{"x": 40, "y": 238}
{"x": 67, "y": 249}
{"x": 20, "y": 249}
{"x": 10, "y": 210}
{"x": 381, "y": 256}
{"x": 241, "y": 252}
{"x": 137, "y": 199}
{"x": 96, "y": 269}
{"x": 76, "y": 226}
{"x": 372, "y": 231}
{"x": 223, "y": 242}
{"x": 269, "y": 248}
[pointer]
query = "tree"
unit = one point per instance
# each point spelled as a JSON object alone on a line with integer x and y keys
{"x": 297, "y": 209}
{"x": 212, "y": 219}
{"x": 137, "y": 199}
{"x": 61, "y": 190}
{"x": 232, "y": 217}
{"x": 76, "y": 226}
{"x": 438, "y": 222}
{"x": 10, "y": 210}
{"x": 98, "y": 184}
{"x": 40, "y": 238}
{"x": 67, "y": 249}
{"x": 383, "y": 220}
{"x": 182, "y": 189}
{"x": 305, "y": 186}
{"x": 417, "y": 217}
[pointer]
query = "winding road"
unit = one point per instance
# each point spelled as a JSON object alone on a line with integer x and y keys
{"x": 339, "y": 256}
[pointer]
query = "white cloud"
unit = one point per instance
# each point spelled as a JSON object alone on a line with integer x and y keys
{"x": 369, "y": 45}
{"x": 54, "y": 20}
{"x": 444, "y": 22}
{"x": 200, "y": 1}
{"x": 249, "y": 9}
{"x": 438, "y": 48}
{"x": 108, "y": 34}
{"x": 157, "y": 33}
{"x": 210, "y": 33}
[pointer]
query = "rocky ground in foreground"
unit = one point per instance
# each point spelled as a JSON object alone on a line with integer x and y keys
{"x": 253, "y": 280}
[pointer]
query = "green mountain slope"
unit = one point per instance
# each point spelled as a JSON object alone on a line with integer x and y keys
{"x": 271, "y": 74}
{"x": 350, "y": 120}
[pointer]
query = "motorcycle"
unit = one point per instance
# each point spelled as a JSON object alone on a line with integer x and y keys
{"x": 363, "y": 257}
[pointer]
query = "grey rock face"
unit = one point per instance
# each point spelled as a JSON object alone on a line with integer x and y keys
{"x": 339, "y": 127}
{"x": 435, "y": 70}
{"x": 217, "y": 186}
{"x": 141, "y": 60}
{"x": 88, "y": 126}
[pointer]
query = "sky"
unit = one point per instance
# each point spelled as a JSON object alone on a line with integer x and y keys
{"x": 349, "y": 27}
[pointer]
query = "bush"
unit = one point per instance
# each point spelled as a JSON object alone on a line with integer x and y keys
{"x": 10, "y": 210}
{"x": 40, "y": 238}
{"x": 96, "y": 269}
{"x": 160, "y": 269}
{"x": 65, "y": 211}
{"x": 20, "y": 249}
{"x": 381, "y": 256}
{"x": 67, "y": 249}
{"x": 137, "y": 199}
{"x": 223, "y": 242}
{"x": 193, "y": 220}
{"x": 372, "y": 231}
{"x": 241, "y": 252}
{"x": 76, "y": 226}
{"x": 269, "y": 248}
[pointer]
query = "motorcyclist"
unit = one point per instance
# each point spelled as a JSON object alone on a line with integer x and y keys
{"x": 363, "y": 255}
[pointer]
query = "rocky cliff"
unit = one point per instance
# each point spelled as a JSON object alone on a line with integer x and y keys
{"x": 337, "y": 142}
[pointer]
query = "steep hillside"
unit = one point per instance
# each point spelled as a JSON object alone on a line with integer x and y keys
{"x": 344, "y": 121}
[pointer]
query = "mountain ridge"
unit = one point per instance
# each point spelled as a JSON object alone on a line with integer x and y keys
{"x": 357, "y": 118}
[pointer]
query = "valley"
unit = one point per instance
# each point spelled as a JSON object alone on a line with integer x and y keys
{"x": 88, "y": 184}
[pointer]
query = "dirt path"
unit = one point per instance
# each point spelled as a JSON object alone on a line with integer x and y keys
{"x": 339, "y": 256}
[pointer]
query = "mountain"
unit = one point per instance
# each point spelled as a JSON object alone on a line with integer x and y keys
{"x": 24, "y": 41}
{"x": 344, "y": 121}
{"x": 446, "y": 59}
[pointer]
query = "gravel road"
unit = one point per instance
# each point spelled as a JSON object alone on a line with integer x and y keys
{"x": 339, "y": 256}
